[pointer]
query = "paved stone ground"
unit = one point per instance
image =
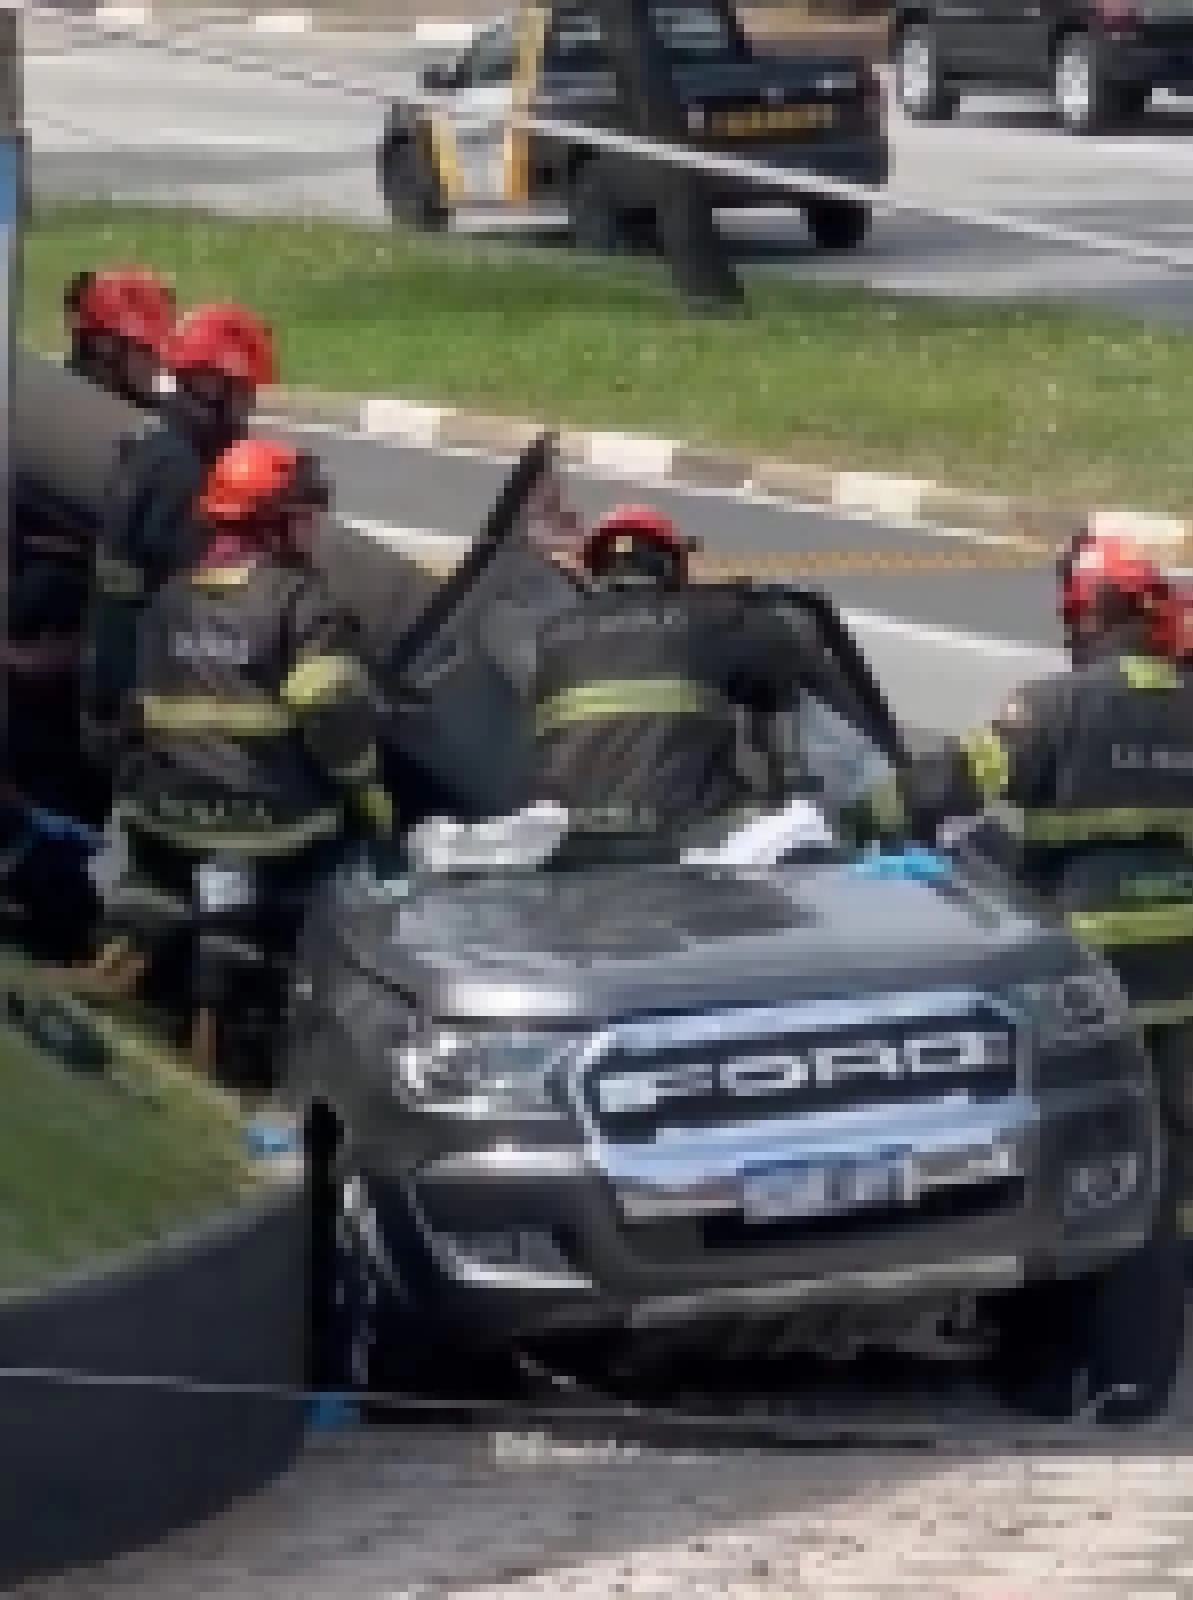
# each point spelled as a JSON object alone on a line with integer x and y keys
{"x": 416, "y": 1514}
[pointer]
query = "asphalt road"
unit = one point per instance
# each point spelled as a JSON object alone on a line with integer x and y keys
{"x": 948, "y": 640}
{"x": 118, "y": 118}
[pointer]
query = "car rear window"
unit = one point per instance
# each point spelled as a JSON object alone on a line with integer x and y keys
{"x": 691, "y": 32}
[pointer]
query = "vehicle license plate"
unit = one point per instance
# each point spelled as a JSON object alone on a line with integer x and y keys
{"x": 764, "y": 122}
{"x": 827, "y": 1186}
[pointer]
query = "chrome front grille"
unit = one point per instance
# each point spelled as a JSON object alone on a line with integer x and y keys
{"x": 641, "y": 1080}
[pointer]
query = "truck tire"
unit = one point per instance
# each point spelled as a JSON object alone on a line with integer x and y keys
{"x": 597, "y": 226}
{"x": 409, "y": 185}
{"x": 920, "y": 86}
{"x": 1085, "y": 100}
{"x": 837, "y": 224}
{"x": 375, "y": 1344}
{"x": 1117, "y": 1337}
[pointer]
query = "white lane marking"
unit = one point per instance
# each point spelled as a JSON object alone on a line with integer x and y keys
{"x": 190, "y": 140}
{"x": 693, "y": 491}
{"x": 1045, "y": 659}
{"x": 197, "y": 138}
{"x": 431, "y": 542}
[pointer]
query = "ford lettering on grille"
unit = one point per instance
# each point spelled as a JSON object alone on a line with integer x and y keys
{"x": 822, "y": 1072}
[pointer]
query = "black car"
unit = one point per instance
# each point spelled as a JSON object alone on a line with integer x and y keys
{"x": 796, "y": 110}
{"x": 1099, "y": 59}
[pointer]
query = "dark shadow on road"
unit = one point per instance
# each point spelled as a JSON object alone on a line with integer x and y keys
{"x": 1157, "y": 122}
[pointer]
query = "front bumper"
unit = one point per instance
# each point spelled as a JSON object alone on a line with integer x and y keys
{"x": 509, "y": 1243}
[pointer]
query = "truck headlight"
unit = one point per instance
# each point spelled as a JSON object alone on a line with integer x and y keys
{"x": 491, "y": 1074}
{"x": 1072, "y": 1011}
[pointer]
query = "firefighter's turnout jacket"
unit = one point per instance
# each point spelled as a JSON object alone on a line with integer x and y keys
{"x": 148, "y": 534}
{"x": 255, "y": 725}
{"x": 634, "y": 697}
{"x": 1096, "y": 768}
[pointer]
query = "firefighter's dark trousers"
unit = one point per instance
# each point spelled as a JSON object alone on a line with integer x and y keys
{"x": 193, "y": 956}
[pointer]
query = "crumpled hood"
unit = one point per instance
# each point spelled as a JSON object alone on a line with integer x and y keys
{"x": 615, "y": 942}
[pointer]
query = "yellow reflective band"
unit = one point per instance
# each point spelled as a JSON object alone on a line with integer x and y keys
{"x": 320, "y": 679}
{"x": 1146, "y": 672}
{"x": 118, "y": 577}
{"x": 376, "y": 807}
{"x": 359, "y": 771}
{"x": 1116, "y": 824}
{"x": 1163, "y": 1013}
{"x": 221, "y": 577}
{"x": 282, "y": 840}
{"x": 235, "y": 719}
{"x": 1156, "y": 925}
{"x": 626, "y": 697}
{"x": 989, "y": 764}
{"x": 884, "y": 805}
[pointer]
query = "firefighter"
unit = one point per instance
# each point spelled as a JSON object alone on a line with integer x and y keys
{"x": 218, "y": 356}
{"x": 1096, "y": 766}
{"x": 254, "y": 740}
{"x": 635, "y": 691}
{"x": 118, "y": 321}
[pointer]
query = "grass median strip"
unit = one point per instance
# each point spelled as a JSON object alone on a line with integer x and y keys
{"x": 1067, "y": 405}
{"x": 92, "y": 1165}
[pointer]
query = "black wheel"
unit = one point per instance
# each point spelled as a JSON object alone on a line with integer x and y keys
{"x": 409, "y": 184}
{"x": 837, "y": 224}
{"x": 374, "y": 1340}
{"x": 1117, "y": 1338}
{"x": 325, "y": 1344}
{"x": 1133, "y": 101}
{"x": 597, "y": 226}
{"x": 640, "y": 233}
{"x": 920, "y": 86}
{"x": 1085, "y": 100}
{"x": 375, "y": 1347}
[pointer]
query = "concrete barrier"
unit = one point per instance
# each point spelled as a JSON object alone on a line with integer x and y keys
{"x": 90, "y": 1470}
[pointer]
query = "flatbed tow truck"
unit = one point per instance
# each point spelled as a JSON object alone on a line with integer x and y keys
{"x": 808, "y": 110}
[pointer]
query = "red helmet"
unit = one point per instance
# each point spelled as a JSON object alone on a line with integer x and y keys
{"x": 224, "y": 339}
{"x": 129, "y": 302}
{"x": 257, "y": 480}
{"x": 1114, "y": 574}
{"x": 632, "y": 527}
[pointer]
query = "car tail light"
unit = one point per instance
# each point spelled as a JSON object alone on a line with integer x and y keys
{"x": 1117, "y": 16}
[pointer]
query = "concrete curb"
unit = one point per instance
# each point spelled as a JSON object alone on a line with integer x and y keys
{"x": 673, "y": 462}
